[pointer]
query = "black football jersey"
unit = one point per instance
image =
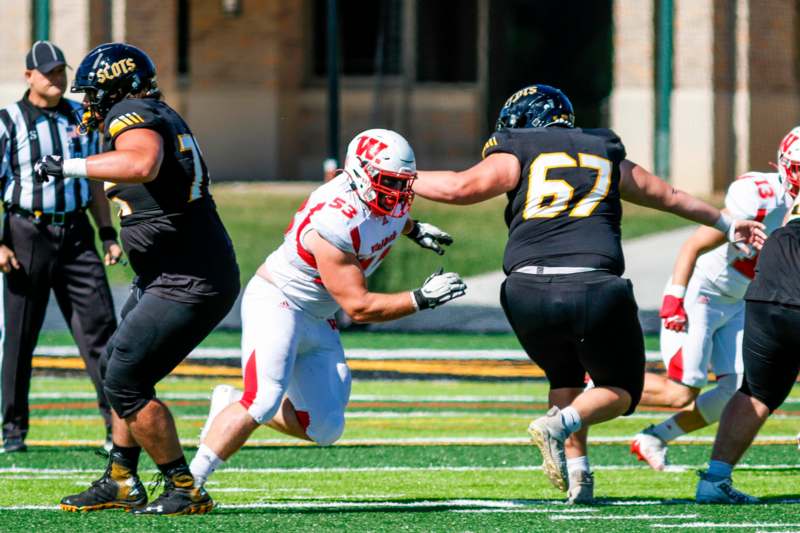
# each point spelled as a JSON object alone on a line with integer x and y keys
{"x": 566, "y": 209}
{"x": 171, "y": 232}
{"x": 183, "y": 177}
{"x": 776, "y": 278}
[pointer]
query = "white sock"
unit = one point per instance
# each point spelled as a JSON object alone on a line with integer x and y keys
{"x": 571, "y": 419}
{"x": 668, "y": 430}
{"x": 719, "y": 469}
{"x": 578, "y": 464}
{"x": 204, "y": 464}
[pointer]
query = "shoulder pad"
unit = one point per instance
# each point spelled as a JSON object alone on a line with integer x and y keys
{"x": 131, "y": 113}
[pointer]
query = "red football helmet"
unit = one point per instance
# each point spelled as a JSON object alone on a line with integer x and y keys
{"x": 789, "y": 161}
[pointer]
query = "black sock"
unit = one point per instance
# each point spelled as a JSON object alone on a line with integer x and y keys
{"x": 178, "y": 466}
{"x": 127, "y": 457}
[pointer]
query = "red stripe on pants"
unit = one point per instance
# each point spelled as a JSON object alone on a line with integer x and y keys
{"x": 675, "y": 370}
{"x": 250, "y": 382}
{"x": 304, "y": 419}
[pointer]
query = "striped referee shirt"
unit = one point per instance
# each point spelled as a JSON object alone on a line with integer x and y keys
{"x": 28, "y": 133}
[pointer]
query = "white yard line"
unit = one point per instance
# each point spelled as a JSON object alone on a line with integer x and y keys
{"x": 626, "y": 517}
{"x": 357, "y": 414}
{"x": 724, "y": 525}
{"x": 360, "y": 354}
{"x": 12, "y": 473}
{"x": 535, "y": 511}
{"x": 560, "y": 510}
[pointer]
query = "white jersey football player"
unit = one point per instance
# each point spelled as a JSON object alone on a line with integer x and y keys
{"x": 296, "y": 379}
{"x": 703, "y": 315}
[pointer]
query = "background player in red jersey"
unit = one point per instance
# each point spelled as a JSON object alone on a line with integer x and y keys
{"x": 703, "y": 311}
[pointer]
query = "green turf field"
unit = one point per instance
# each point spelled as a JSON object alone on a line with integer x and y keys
{"x": 257, "y": 214}
{"x": 416, "y": 456}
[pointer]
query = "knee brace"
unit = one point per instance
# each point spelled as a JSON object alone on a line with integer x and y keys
{"x": 328, "y": 430}
{"x": 710, "y": 404}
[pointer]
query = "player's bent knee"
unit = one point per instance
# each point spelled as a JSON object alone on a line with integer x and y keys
{"x": 264, "y": 403}
{"x": 125, "y": 397}
{"x": 326, "y": 431}
{"x": 711, "y": 404}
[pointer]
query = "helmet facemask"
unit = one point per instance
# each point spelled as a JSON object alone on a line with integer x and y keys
{"x": 789, "y": 171}
{"x": 386, "y": 193}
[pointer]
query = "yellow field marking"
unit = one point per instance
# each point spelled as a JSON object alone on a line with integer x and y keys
{"x": 432, "y": 366}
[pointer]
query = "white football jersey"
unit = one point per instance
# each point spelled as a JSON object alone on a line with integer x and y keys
{"x": 337, "y": 214}
{"x": 754, "y": 196}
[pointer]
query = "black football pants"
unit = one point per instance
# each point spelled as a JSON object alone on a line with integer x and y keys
{"x": 155, "y": 335}
{"x": 64, "y": 258}
{"x": 770, "y": 351}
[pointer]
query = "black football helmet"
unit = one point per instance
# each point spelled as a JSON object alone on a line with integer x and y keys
{"x": 536, "y": 106}
{"x": 107, "y": 75}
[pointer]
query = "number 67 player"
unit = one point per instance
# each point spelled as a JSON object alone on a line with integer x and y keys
{"x": 564, "y": 297}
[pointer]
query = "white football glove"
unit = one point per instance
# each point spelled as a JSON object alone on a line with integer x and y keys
{"x": 429, "y": 236}
{"x": 438, "y": 288}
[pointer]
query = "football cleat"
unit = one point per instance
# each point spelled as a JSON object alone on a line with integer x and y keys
{"x": 711, "y": 489}
{"x": 548, "y": 434}
{"x": 222, "y": 397}
{"x": 581, "y": 487}
{"x": 180, "y": 496}
{"x": 116, "y": 489}
{"x": 14, "y": 445}
{"x": 648, "y": 447}
{"x": 798, "y": 441}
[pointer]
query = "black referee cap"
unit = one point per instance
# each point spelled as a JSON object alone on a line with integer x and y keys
{"x": 44, "y": 56}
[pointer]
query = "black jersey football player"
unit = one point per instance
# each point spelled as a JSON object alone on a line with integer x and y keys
{"x": 564, "y": 295}
{"x": 186, "y": 273}
{"x": 769, "y": 354}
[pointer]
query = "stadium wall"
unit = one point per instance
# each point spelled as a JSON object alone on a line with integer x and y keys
{"x": 248, "y": 86}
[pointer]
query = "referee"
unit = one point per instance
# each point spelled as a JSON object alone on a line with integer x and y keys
{"x": 47, "y": 241}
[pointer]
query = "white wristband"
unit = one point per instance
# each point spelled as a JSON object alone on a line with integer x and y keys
{"x": 413, "y": 300}
{"x": 723, "y": 223}
{"x": 75, "y": 168}
{"x": 678, "y": 291}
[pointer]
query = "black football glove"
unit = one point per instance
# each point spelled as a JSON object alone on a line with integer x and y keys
{"x": 439, "y": 288}
{"x": 430, "y": 237}
{"x": 49, "y": 165}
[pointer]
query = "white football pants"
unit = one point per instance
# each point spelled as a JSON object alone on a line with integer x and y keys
{"x": 713, "y": 338}
{"x": 286, "y": 352}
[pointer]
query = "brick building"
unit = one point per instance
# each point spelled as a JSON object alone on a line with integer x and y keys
{"x": 250, "y": 75}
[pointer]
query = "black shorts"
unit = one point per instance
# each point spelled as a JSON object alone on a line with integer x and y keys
{"x": 577, "y": 323}
{"x": 770, "y": 351}
{"x": 155, "y": 335}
